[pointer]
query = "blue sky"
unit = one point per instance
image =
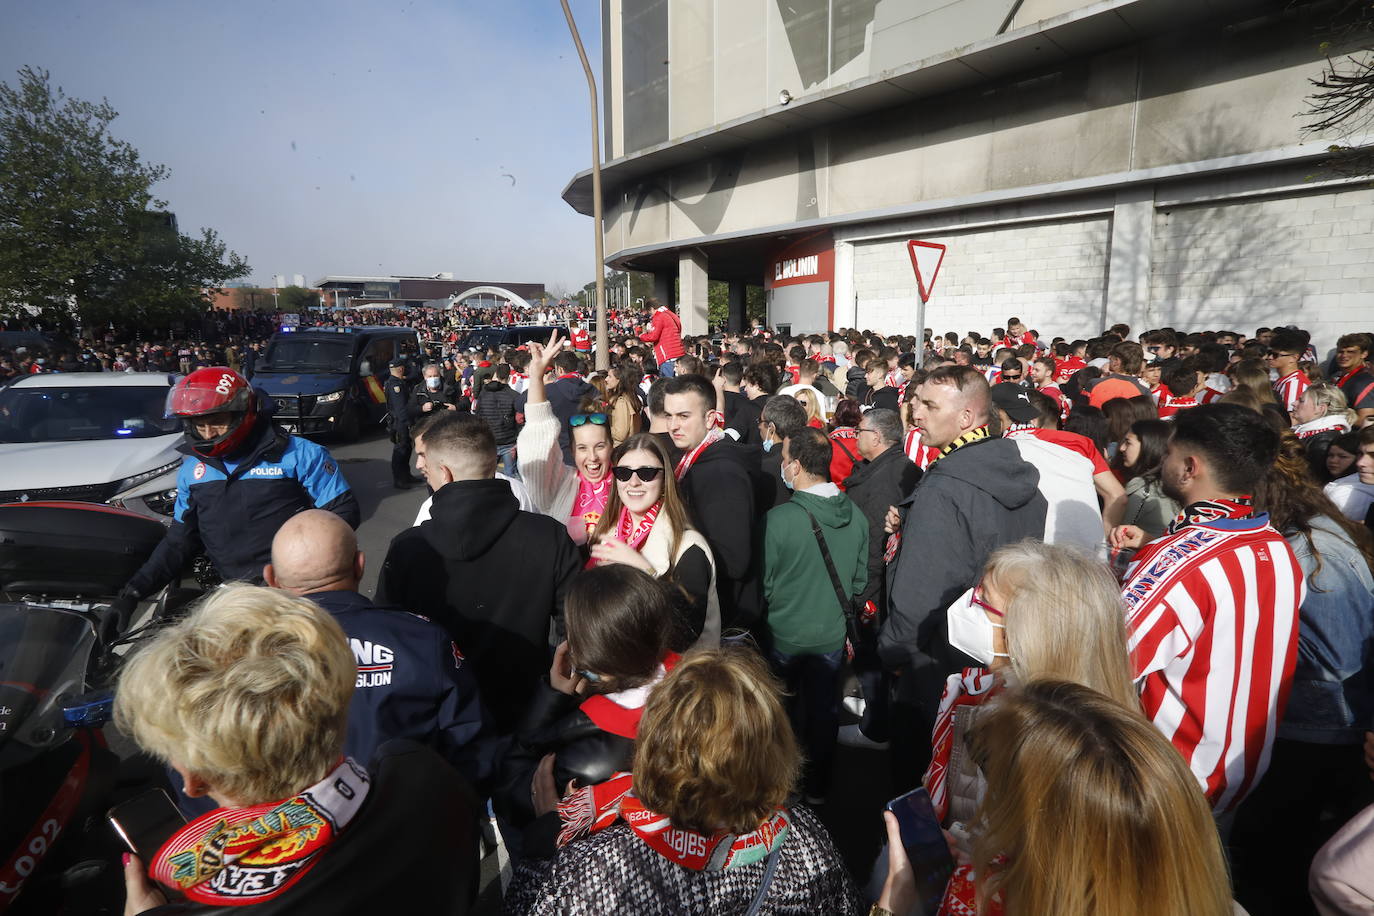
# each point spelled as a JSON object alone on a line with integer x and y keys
{"x": 345, "y": 137}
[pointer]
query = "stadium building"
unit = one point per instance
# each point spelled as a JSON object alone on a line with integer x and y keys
{"x": 1071, "y": 164}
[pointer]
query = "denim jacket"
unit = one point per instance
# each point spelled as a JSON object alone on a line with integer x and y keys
{"x": 1333, "y": 685}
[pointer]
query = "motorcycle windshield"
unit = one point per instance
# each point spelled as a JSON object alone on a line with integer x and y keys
{"x": 44, "y": 653}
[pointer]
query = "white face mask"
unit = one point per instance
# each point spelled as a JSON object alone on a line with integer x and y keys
{"x": 970, "y": 630}
{"x": 433, "y": 381}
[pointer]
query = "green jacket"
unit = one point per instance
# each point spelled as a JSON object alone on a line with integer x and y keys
{"x": 803, "y": 613}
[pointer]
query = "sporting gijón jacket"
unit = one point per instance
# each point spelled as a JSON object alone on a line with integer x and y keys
{"x": 413, "y": 682}
{"x": 233, "y": 509}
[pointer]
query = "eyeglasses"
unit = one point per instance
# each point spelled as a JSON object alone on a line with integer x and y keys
{"x": 580, "y": 419}
{"x": 976, "y": 599}
{"x": 863, "y": 429}
{"x": 1275, "y": 354}
{"x": 646, "y": 474}
{"x": 1008, "y": 377}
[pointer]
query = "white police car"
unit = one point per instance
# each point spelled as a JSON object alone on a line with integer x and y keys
{"x": 90, "y": 436}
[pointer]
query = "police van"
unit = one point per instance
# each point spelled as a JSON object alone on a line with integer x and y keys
{"x": 330, "y": 380}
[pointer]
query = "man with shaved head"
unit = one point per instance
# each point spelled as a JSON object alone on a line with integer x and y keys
{"x": 978, "y": 495}
{"x": 413, "y": 681}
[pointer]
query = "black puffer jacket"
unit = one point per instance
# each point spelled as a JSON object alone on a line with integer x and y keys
{"x": 855, "y": 383}
{"x": 497, "y": 404}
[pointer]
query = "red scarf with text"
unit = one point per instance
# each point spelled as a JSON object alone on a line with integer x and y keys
{"x": 594, "y": 808}
{"x": 242, "y": 856}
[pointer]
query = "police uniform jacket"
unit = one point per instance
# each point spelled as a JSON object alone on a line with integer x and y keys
{"x": 397, "y": 400}
{"x": 413, "y": 682}
{"x": 233, "y": 508}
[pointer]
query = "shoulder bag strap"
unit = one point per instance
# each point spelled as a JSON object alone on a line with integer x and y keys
{"x": 846, "y": 602}
{"x": 767, "y": 880}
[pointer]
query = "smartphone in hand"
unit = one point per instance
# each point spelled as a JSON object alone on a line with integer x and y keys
{"x": 924, "y": 841}
{"x": 145, "y": 822}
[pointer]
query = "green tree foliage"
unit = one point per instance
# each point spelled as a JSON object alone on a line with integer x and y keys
{"x": 82, "y": 239}
{"x": 298, "y": 299}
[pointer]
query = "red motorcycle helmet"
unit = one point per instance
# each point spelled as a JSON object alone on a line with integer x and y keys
{"x": 212, "y": 390}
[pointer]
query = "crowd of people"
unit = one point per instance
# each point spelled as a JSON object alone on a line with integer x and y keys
{"x": 1108, "y": 604}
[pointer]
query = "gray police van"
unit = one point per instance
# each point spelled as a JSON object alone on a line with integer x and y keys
{"x": 331, "y": 380}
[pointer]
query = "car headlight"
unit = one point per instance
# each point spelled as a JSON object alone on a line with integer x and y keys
{"x": 163, "y": 502}
{"x": 329, "y": 398}
{"x": 128, "y": 483}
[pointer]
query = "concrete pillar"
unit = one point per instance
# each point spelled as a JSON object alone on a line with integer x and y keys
{"x": 692, "y": 280}
{"x": 665, "y": 282}
{"x": 846, "y": 305}
{"x": 737, "y": 321}
{"x": 1128, "y": 270}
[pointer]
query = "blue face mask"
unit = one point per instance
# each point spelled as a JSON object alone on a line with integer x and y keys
{"x": 767, "y": 445}
{"x": 790, "y": 484}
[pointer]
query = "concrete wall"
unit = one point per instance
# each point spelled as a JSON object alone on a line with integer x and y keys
{"x": 1305, "y": 259}
{"x": 1238, "y": 253}
{"x": 1051, "y": 275}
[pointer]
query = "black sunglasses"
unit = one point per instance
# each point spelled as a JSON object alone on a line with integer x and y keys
{"x": 578, "y": 419}
{"x": 623, "y": 474}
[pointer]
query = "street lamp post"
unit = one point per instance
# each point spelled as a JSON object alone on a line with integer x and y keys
{"x": 602, "y": 340}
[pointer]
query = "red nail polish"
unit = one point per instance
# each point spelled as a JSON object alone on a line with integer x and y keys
{"x": 125, "y": 859}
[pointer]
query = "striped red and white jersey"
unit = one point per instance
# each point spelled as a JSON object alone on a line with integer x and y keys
{"x": 1212, "y": 619}
{"x": 923, "y": 456}
{"x": 1290, "y": 389}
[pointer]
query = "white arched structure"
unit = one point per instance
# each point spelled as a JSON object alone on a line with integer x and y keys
{"x": 492, "y": 290}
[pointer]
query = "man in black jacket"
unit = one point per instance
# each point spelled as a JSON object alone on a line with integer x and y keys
{"x": 413, "y": 680}
{"x": 491, "y": 575}
{"x": 718, "y": 485}
{"x": 884, "y": 478}
{"x": 500, "y": 406}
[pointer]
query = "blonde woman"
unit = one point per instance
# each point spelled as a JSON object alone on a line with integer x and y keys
{"x": 1319, "y": 418}
{"x": 815, "y": 414}
{"x": 1040, "y": 611}
{"x": 247, "y": 698}
{"x": 1089, "y": 811}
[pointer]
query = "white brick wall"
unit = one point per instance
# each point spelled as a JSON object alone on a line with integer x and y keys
{"x": 1305, "y": 260}
{"x": 1051, "y": 275}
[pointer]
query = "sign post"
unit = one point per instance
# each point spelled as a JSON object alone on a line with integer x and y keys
{"x": 926, "y": 258}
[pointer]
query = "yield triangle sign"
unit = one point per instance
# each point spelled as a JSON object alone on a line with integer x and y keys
{"x": 926, "y": 258}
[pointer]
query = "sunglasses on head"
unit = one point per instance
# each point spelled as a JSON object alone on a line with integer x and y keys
{"x": 579, "y": 419}
{"x": 646, "y": 474}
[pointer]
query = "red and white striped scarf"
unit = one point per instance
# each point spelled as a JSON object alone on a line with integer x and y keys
{"x": 684, "y": 464}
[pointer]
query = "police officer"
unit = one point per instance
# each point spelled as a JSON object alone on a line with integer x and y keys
{"x": 398, "y": 420}
{"x": 241, "y": 479}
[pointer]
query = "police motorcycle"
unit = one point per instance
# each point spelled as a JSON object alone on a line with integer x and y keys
{"x": 61, "y": 566}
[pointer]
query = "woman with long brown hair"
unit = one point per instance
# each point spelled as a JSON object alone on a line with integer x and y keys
{"x": 623, "y": 403}
{"x": 1317, "y": 765}
{"x": 646, "y": 526}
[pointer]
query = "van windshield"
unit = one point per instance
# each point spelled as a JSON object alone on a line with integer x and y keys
{"x": 303, "y": 354}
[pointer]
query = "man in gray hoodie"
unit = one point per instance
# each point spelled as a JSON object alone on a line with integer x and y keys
{"x": 979, "y": 495}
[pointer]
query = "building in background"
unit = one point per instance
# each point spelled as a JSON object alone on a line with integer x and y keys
{"x": 352, "y": 292}
{"x": 1082, "y": 164}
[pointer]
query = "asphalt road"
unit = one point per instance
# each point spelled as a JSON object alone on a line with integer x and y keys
{"x": 386, "y": 511}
